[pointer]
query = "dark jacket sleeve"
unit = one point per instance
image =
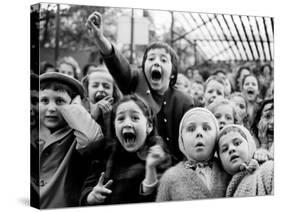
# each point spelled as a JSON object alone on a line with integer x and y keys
{"x": 91, "y": 181}
{"x": 120, "y": 69}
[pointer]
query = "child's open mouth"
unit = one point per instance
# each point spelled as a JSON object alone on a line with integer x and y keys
{"x": 156, "y": 74}
{"x": 233, "y": 157}
{"x": 269, "y": 134}
{"x": 129, "y": 136}
{"x": 199, "y": 144}
{"x": 250, "y": 92}
{"x": 99, "y": 96}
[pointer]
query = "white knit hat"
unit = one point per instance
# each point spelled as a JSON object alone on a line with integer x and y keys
{"x": 196, "y": 110}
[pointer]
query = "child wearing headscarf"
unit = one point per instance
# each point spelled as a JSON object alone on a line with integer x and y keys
{"x": 236, "y": 148}
{"x": 200, "y": 174}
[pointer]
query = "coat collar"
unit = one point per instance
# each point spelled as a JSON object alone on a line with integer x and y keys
{"x": 47, "y": 138}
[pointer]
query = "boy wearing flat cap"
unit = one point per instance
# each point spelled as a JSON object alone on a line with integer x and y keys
{"x": 67, "y": 135}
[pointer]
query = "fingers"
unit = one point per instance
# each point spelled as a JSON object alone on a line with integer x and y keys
{"x": 261, "y": 156}
{"x": 157, "y": 152}
{"x": 105, "y": 106}
{"x": 101, "y": 190}
{"x": 96, "y": 18}
{"x": 108, "y": 184}
{"x": 101, "y": 179}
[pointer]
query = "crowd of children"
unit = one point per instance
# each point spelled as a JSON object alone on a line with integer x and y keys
{"x": 124, "y": 135}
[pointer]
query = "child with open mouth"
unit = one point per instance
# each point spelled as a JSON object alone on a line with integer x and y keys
{"x": 250, "y": 89}
{"x": 236, "y": 149}
{"x": 263, "y": 129}
{"x": 129, "y": 172}
{"x": 154, "y": 81}
{"x": 101, "y": 92}
{"x": 200, "y": 175}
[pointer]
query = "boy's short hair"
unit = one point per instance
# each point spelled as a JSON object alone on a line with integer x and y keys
{"x": 61, "y": 82}
{"x": 174, "y": 58}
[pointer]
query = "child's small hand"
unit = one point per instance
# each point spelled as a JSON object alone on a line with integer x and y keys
{"x": 156, "y": 156}
{"x": 94, "y": 25}
{"x": 105, "y": 105}
{"x": 100, "y": 191}
{"x": 262, "y": 155}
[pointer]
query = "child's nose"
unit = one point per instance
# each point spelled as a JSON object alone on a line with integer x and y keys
{"x": 52, "y": 106}
{"x": 100, "y": 88}
{"x": 231, "y": 149}
{"x": 127, "y": 122}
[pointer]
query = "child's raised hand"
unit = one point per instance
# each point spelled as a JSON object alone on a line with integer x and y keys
{"x": 262, "y": 155}
{"x": 100, "y": 191}
{"x": 94, "y": 25}
{"x": 156, "y": 156}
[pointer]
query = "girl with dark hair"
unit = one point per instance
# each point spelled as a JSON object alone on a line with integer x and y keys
{"x": 129, "y": 171}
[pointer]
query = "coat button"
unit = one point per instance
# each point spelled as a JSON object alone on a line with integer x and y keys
{"x": 147, "y": 92}
{"x": 164, "y": 103}
{"x": 167, "y": 139}
{"x": 165, "y": 120}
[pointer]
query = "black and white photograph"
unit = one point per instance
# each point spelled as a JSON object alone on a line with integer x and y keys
{"x": 133, "y": 105}
{"x": 142, "y": 107}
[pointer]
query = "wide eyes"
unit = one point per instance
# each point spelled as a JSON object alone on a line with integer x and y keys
{"x": 192, "y": 128}
{"x": 206, "y": 127}
{"x": 268, "y": 115}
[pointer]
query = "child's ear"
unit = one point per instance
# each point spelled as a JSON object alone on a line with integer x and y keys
{"x": 149, "y": 128}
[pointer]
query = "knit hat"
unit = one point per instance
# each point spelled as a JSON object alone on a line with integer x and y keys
{"x": 198, "y": 111}
{"x": 64, "y": 79}
{"x": 244, "y": 133}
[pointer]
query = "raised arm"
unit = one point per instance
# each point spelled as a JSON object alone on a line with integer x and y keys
{"x": 117, "y": 65}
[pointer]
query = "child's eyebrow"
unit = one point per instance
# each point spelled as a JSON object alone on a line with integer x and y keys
{"x": 268, "y": 109}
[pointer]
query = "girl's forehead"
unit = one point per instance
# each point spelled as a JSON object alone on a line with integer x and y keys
{"x": 157, "y": 51}
{"x": 251, "y": 79}
{"x": 224, "y": 108}
{"x": 231, "y": 135}
{"x": 267, "y": 107}
{"x": 100, "y": 76}
{"x": 238, "y": 99}
{"x": 214, "y": 84}
{"x": 128, "y": 106}
{"x": 198, "y": 117}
